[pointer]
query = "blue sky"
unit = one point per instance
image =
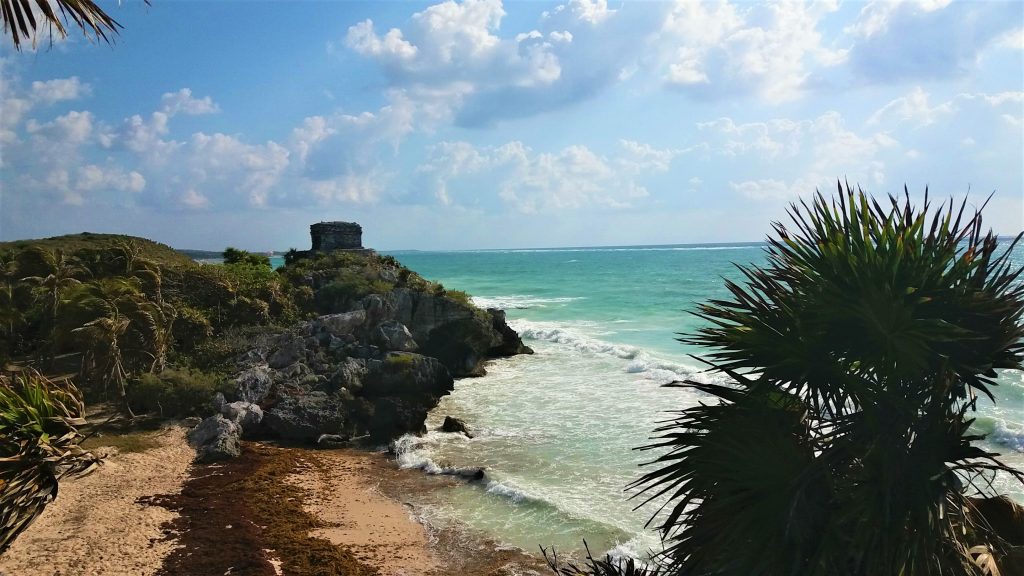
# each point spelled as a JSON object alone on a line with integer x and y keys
{"x": 482, "y": 124}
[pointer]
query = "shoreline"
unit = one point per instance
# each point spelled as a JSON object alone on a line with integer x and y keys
{"x": 274, "y": 510}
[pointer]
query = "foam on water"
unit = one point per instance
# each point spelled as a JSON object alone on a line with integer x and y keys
{"x": 520, "y": 301}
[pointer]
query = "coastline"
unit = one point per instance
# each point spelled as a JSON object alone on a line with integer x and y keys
{"x": 274, "y": 510}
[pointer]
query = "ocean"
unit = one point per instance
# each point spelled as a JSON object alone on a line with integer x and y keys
{"x": 556, "y": 430}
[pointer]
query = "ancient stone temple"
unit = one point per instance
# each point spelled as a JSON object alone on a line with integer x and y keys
{"x": 336, "y": 236}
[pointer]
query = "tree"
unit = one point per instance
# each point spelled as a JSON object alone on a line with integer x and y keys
{"x": 120, "y": 331}
{"x": 236, "y": 256}
{"x": 856, "y": 358}
{"x": 61, "y": 273}
{"x": 12, "y": 315}
{"x": 24, "y": 19}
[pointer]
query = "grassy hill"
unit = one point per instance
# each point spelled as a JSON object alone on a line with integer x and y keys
{"x": 73, "y": 243}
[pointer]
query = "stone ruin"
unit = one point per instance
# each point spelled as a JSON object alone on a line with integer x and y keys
{"x": 336, "y": 236}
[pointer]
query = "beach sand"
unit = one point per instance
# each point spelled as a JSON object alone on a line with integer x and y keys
{"x": 275, "y": 510}
{"x": 96, "y": 527}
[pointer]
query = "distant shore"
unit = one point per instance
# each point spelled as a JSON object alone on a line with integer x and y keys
{"x": 199, "y": 519}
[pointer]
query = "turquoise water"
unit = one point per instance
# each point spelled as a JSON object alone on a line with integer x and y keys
{"x": 556, "y": 430}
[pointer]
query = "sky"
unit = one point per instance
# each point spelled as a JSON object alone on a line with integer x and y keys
{"x": 483, "y": 124}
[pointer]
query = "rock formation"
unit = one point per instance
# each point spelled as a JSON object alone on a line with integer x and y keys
{"x": 371, "y": 368}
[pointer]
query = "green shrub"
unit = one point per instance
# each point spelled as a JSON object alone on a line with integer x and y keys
{"x": 177, "y": 393}
{"x": 191, "y": 327}
{"x": 460, "y": 297}
{"x": 236, "y": 256}
{"x": 347, "y": 287}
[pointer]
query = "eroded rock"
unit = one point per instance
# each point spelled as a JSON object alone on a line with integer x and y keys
{"x": 215, "y": 438}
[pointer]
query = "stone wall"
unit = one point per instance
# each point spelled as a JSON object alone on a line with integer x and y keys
{"x": 336, "y": 236}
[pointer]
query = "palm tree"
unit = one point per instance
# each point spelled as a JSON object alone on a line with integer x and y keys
{"x": 61, "y": 273}
{"x": 11, "y": 314}
{"x": 841, "y": 446}
{"x": 24, "y": 19}
{"x": 38, "y": 445}
{"x": 121, "y": 331}
{"x": 129, "y": 257}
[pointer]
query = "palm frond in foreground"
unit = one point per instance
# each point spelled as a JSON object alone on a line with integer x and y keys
{"x": 843, "y": 445}
{"x": 25, "y": 19}
{"x": 38, "y": 445}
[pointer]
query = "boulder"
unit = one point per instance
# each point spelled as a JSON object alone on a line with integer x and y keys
{"x": 215, "y": 438}
{"x": 304, "y": 414}
{"x": 392, "y": 335}
{"x": 454, "y": 425}
{"x": 245, "y": 414}
{"x": 341, "y": 324}
{"x": 289, "y": 349}
{"x": 405, "y": 373}
{"x": 349, "y": 375}
{"x": 253, "y": 384}
{"x": 511, "y": 344}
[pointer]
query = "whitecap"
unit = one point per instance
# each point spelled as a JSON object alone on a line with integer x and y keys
{"x": 521, "y": 301}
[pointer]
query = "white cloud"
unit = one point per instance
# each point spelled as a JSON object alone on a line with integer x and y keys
{"x": 531, "y": 182}
{"x": 642, "y": 158}
{"x": 193, "y": 200}
{"x": 364, "y": 40}
{"x": 796, "y": 157}
{"x": 1014, "y": 40}
{"x": 720, "y": 49}
{"x": 58, "y": 90}
{"x": 913, "y": 108}
{"x": 92, "y": 178}
{"x": 70, "y": 129}
{"x": 875, "y": 16}
{"x": 182, "y": 102}
{"x": 592, "y": 11}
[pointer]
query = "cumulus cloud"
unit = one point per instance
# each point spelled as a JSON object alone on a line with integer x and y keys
{"x": 92, "y": 177}
{"x": 16, "y": 102}
{"x": 722, "y": 49}
{"x": 913, "y": 108}
{"x": 182, "y": 102}
{"x": 60, "y": 89}
{"x": 459, "y": 49}
{"x": 572, "y": 178}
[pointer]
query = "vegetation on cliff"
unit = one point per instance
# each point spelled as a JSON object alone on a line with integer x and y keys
{"x": 111, "y": 308}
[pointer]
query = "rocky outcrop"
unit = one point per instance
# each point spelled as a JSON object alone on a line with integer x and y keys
{"x": 511, "y": 344}
{"x": 327, "y": 377}
{"x": 458, "y": 334}
{"x": 454, "y": 425}
{"x": 215, "y": 438}
{"x": 373, "y": 368}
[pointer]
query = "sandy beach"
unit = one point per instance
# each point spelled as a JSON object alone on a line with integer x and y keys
{"x": 275, "y": 510}
{"x": 96, "y": 525}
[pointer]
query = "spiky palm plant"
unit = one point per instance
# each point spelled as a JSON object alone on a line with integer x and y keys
{"x": 38, "y": 445}
{"x": 856, "y": 357}
{"x": 25, "y": 19}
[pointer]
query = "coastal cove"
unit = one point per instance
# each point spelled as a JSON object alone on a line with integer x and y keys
{"x": 422, "y": 413}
